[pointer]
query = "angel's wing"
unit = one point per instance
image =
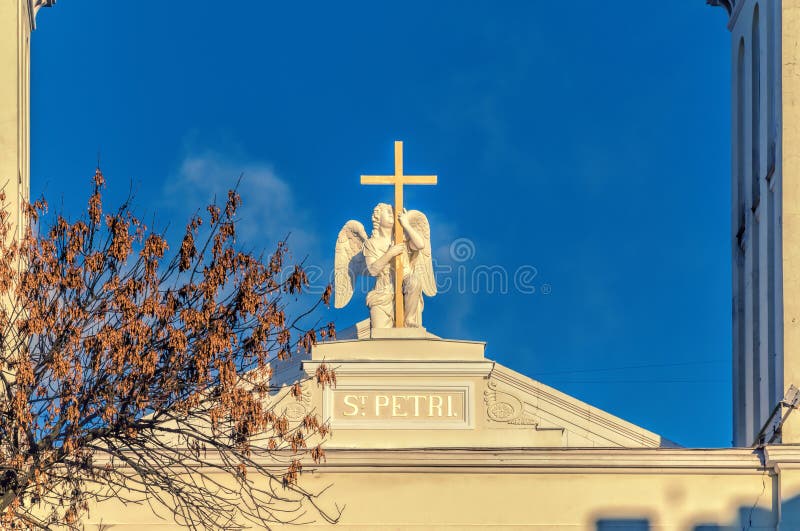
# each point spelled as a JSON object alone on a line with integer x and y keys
{"x": 348, "y": 261}
{"x": 423, "y": 264}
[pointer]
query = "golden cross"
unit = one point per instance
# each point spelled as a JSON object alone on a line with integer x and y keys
{"x": 398, "y": 180}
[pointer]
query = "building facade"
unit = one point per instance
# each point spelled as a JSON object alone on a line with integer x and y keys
{"x": 428, "y": 433}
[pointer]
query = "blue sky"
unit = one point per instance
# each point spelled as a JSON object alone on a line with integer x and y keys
{"x": 583, "y": 147}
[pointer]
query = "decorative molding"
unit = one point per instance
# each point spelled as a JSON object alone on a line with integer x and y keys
{"x": 403, "y": 368}
{"x": 297, "y": 408}
{"x": 521, "y": 460}
{"x": 37, "y": 4}
{"x": 399, "y": 349}
{"x": 283, "y": 403}
{"x": 660, "y": 461}
{"x": 782, "y": 455}
{"x": 34, "y": 6}
{"x": 505, "y": 407}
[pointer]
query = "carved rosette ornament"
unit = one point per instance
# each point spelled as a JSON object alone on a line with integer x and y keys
{"x": 505, "y": 407}
{"x": 295, "y": 408}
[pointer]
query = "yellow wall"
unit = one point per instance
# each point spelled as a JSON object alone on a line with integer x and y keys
{"x": 413, "y": 496}
{"x": 791, "y": 203}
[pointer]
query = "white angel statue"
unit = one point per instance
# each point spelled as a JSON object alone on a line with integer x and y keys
{"x": 358, "y": 255}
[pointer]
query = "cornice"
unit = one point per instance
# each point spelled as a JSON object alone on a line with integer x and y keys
{"x": 782, "y": 455}
{"x": 544, "y": 460}
{"x": 521, "y": 460}
{"x": 403, "y": 368}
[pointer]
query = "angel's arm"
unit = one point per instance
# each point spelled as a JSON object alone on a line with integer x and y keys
{"x": 376, "y": 265}
{"x": 415, "y": 240}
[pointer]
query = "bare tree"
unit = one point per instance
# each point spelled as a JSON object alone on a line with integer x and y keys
{"x": 128, "y": 374}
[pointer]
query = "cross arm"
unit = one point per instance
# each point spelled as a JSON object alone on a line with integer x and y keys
{"x": 403, "y": 179}
{"x": 377, "y": 179}
{"x": 419, "y": 179}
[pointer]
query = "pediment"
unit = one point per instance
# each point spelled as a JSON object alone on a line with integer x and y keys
{"x": 514, "y": 399}
{"x": 412, "y": 389}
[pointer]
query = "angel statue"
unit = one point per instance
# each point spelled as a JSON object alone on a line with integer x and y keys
{"x": 358, "y": 255}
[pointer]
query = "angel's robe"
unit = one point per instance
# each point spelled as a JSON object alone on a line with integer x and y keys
{"x": 381, "y": 299}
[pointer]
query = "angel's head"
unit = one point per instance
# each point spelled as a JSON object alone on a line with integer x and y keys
{"x": 382, "y": 216}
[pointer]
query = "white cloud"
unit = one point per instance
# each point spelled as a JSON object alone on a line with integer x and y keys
{"x": 269, "y": 210}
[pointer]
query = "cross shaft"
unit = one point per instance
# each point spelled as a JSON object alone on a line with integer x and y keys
{"x": 398, "y": 180}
